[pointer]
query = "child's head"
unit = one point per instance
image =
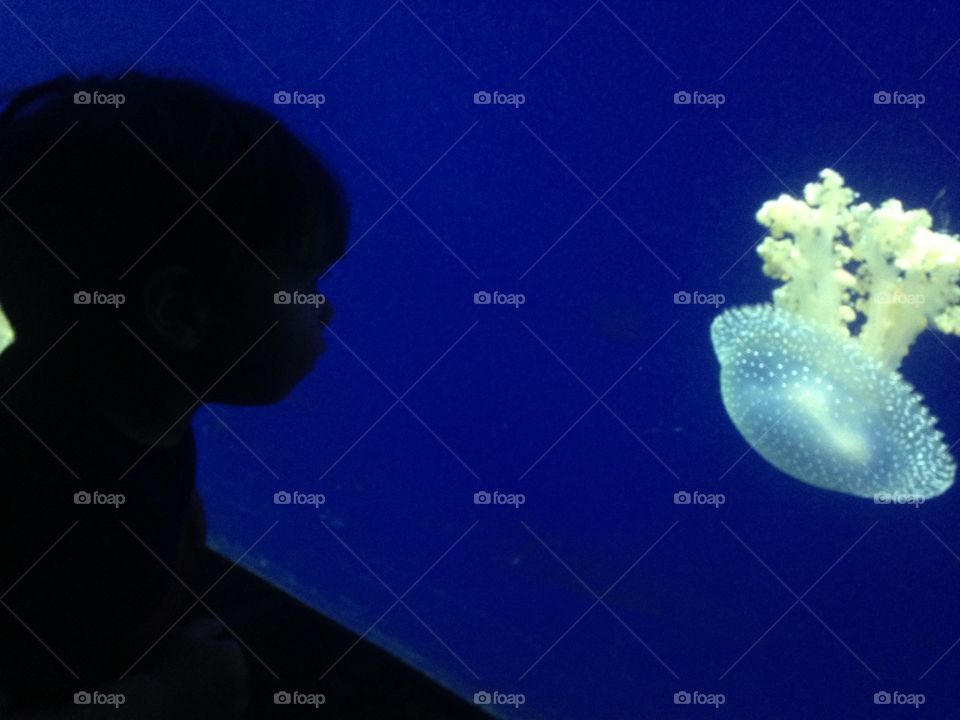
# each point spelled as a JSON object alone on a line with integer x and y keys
{"x": 196, "y": 208}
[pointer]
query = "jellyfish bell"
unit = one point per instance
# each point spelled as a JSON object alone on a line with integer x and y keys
{"x": 819, "y": 408}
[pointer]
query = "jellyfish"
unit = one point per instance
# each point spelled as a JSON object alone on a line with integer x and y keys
{"x": 811, "y": 380}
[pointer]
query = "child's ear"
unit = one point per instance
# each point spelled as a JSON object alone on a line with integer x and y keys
{"x": 175, "y": 306}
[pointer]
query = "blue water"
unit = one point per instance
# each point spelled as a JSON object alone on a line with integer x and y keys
{"x": 598, "y": 199}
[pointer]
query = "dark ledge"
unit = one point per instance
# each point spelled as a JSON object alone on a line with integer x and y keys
{"x": 298, "y": 644}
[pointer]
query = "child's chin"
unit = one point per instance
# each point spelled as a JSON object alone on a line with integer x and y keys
{"x": 267, "y": 386}
{"x": 279, "y": 393}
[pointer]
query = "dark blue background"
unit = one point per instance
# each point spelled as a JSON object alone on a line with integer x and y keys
{"x": 506, "y": 199}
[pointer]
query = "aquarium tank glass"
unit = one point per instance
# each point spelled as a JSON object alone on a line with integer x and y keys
{"x": 640, "y": 395}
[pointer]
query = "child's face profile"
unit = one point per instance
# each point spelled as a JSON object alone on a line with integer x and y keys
{"x": 220, "y": 306}
{"x": 259, "y": 341}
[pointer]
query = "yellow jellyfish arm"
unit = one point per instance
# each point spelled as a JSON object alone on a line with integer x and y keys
{"x": 7, "y": 335}
{"x": 879, "y": 275}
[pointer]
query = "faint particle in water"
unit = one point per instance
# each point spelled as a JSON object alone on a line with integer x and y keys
{"x": 620, "y": 320}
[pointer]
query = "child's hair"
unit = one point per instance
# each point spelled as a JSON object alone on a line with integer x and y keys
{"x": 103, "y": 173}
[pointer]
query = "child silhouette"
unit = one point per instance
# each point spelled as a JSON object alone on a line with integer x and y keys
{"x": 149, "y": 230}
